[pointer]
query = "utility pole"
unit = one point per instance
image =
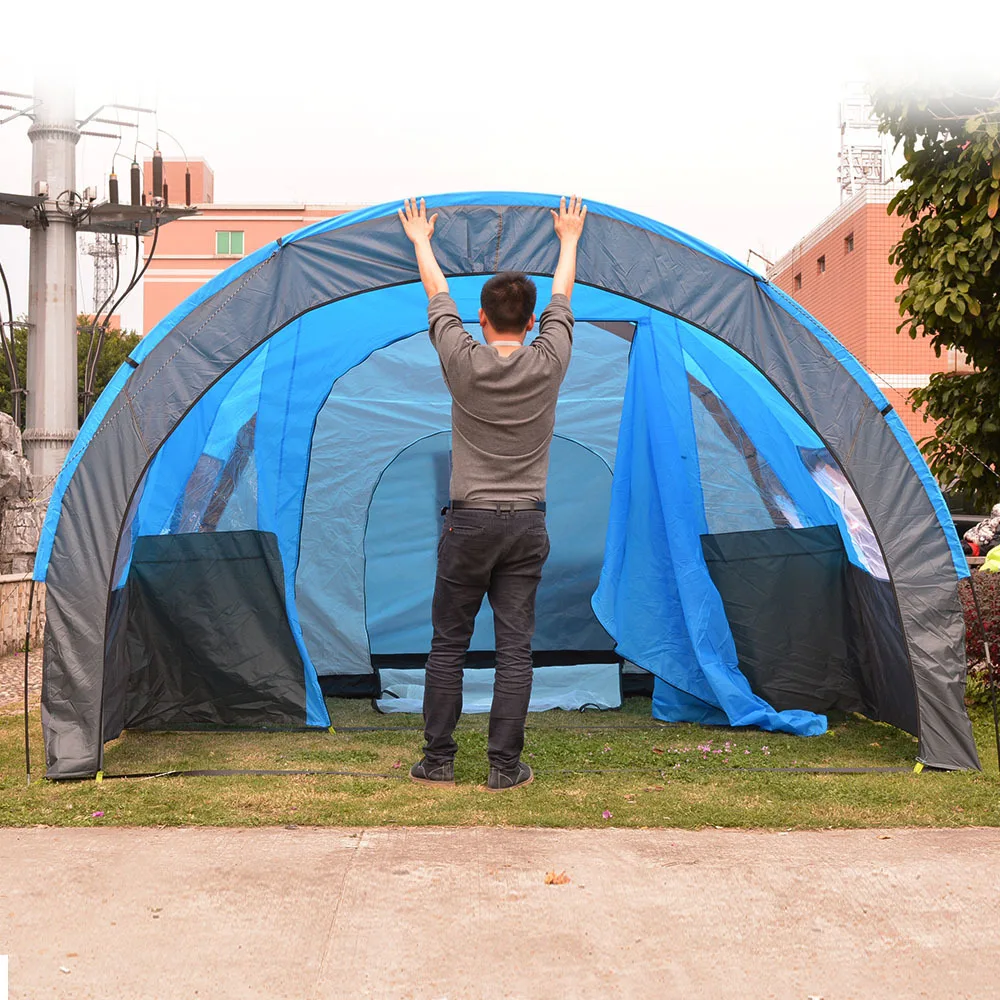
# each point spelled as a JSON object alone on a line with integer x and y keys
{"x": 55, "y": 212}
{"x": 52, "y": 355}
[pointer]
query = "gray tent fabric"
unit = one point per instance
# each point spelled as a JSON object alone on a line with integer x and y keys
{"x": 82, "y": 694}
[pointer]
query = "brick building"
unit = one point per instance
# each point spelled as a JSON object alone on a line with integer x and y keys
{"x": 840, "y": 273}
{"x": 192, "y": 250}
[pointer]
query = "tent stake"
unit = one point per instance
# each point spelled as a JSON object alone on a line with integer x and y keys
{"x": 27, "y": 647}
{"x": 989, "y": 664}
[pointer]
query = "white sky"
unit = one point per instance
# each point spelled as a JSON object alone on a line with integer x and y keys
{"x": 717, "y": 118}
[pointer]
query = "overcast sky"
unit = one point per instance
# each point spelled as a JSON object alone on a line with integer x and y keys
{"x": 719, "y": 119}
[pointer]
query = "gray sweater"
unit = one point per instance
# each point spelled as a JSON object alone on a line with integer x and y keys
{"x": 503, "y": 409}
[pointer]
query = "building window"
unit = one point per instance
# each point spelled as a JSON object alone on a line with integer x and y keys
{"x": 798, "y": 282}
{"x": 229, "y": 244}
{"x": 849, "y": 243}
{"x": 821, "y": 264}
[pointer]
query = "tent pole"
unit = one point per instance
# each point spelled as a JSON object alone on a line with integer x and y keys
{"x": 989, "y": 664}
{"x": 27, "y": 647}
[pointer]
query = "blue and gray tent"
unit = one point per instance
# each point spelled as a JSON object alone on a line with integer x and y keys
{"x": 248, "y": 518}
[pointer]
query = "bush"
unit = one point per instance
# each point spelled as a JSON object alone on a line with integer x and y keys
{"x": 977, "y": 687}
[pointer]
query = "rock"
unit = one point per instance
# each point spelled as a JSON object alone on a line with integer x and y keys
{"x": 15, "y": 477}
{"x": 20, "y": 530}
{"x": 20, "y": 517}
{"x": 10, "y": 435}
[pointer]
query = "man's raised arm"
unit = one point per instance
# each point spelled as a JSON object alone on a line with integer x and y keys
{"x": 444, "y": 326}
{"x": 420, "y": 229}
{"x": 568, "y": 225}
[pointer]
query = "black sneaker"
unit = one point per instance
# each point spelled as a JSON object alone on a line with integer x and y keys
{"x": 502, "y": 781}
{"x": 427, "y": 773}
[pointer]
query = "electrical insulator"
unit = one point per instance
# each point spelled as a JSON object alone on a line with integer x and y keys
{"x": 166, "y": 200}
{"x": 113, "y": 188}
{"x": 157, "y": 173}
{"x": 187, "y": 187}
{"x": 136, "y": 178}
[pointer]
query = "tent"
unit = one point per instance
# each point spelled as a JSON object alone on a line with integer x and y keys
{"x": 249, "y": 513}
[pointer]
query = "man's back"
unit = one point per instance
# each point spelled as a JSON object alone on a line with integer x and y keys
{"x": 503, "y": 408}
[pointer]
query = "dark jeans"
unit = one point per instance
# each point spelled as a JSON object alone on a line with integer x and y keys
{"x": 500, "y": 555}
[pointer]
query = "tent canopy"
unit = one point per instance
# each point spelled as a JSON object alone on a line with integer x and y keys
{"x": 252, "y": 505}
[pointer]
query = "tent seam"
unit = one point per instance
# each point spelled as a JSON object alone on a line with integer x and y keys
{"x": 208, "y": 319}
{"x": 135, "y": 423}
{"x": 496, "y": 259}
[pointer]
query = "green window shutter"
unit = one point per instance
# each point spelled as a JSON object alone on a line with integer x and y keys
{"x": 222, "y": 243}
{"x": 236, "y": 243}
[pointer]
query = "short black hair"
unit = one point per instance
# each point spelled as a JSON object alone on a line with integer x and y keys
{"x": 508, "y": 299}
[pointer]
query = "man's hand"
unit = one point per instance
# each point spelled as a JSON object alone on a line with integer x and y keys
{"x": 420, "y": 229}
{"x": 416, "y": 225}
{"x": 568, "y": 222}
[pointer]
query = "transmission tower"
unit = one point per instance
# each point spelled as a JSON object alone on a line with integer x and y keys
{"x": 864, "y": 154}
{"x": 105, "y": 255}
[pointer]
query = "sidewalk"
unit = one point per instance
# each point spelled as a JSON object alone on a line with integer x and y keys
{"x": 465, "y": 914}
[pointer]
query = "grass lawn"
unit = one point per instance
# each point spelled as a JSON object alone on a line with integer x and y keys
{"x": 624, "y": 763}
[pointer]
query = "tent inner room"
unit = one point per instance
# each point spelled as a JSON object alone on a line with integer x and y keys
{"x": 282, "y": 543}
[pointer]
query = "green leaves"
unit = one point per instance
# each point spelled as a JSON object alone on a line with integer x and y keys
{"x": 117, "y": 346}
{"x": 947, "y": 270}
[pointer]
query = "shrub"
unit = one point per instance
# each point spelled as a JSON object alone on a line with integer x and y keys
{"x": 977, "y": 688}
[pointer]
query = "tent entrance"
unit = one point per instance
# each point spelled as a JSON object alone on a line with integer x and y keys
{"x": 379, "y": 472}
{"x": 575, "y": 660}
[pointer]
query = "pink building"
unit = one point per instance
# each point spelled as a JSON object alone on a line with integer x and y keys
{"x": 191, "y": 251}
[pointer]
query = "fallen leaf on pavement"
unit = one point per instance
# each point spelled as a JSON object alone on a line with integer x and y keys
{"x": 551, "y": 878}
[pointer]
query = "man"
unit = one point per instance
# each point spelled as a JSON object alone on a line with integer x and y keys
{"x": 494, "y": 540}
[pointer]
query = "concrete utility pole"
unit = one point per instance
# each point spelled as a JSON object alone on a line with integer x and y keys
{"x": 52, "y": 353}
{"x": 55, "y": 212}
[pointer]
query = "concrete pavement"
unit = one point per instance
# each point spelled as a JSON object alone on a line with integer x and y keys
{"x": 465, "y": 914}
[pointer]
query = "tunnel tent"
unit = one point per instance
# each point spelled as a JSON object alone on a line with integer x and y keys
{"x": 249, "y": 513}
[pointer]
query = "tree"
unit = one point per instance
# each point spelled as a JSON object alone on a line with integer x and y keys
{"x": 118, "y": 344}
{"x": 949, "y": 264}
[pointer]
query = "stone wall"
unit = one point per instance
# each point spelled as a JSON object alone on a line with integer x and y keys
{"x": 14, "y": 591}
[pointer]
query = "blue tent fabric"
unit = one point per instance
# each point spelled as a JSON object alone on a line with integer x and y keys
{"x": 230, "y": 417}
{"x": 657, "y": 519}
